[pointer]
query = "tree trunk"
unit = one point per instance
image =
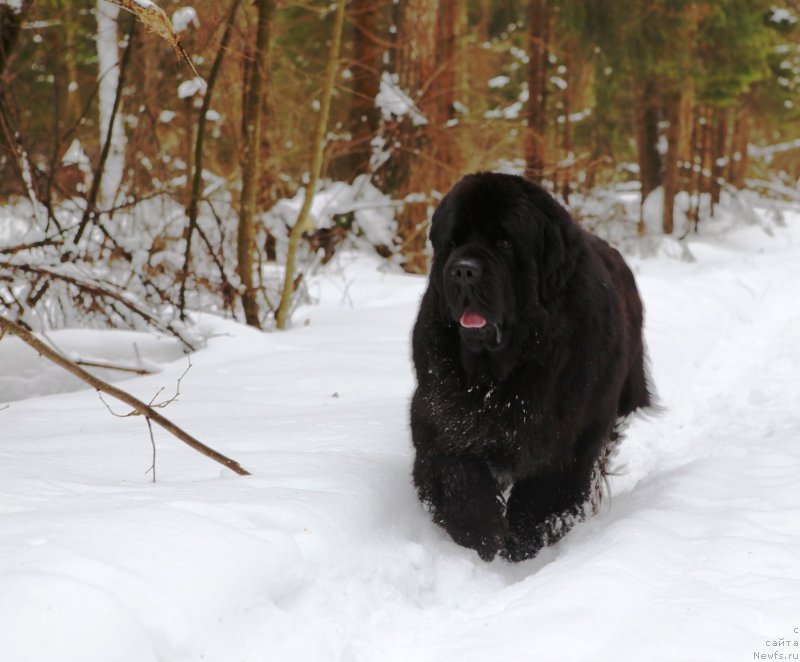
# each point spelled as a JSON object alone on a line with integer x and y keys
{"x": 363, "y": 120}
{"x": 443, "y": 109}
{"x": 108, "y": 74}
{"x": 567, "y": 146}
{"x": 646, "y": 129}
{"x": 671, "y": 171}
{"x": 251, "y": 159}
{"x": 10, "y": 28}
{"x": 282, "y": 314}
{"x": 90, "y": 212}
{"x": 484, "y": 20}
{"x": 73, "y": 103}
{"x": 718, "y": 155}
{"x": 737, "y": 167}
{"x": 427, "y": 157}
{"x": 535, "y": 145}
{"x": 700, "y": 163}
{"x": 603, "y": 124}
{"x": 197, "y": 169}
{"x": 707, "y": 149}
{"x": 461, "y": 77}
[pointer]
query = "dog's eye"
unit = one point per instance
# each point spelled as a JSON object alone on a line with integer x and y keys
{"x": 504, "y": 244}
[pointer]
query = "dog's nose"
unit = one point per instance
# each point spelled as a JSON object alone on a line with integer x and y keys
{"x": 465, "y": 271}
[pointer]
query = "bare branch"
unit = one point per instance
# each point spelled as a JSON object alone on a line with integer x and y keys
{"x": 110, "y": 366}
{"x": 161, "y": 405}
{"x": 197, "y": 178}
{"x": 111, "y": 411}
{"x": 13, "y": 250}
{"x": 99, "y": 290}
{"x": 90, "y": 212}
{"x": 138, "y": 406}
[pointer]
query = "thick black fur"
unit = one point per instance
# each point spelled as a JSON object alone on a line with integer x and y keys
{"x": 531, "y": 401}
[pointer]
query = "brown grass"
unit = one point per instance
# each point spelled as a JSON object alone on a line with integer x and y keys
{"x": 156, "y": 20}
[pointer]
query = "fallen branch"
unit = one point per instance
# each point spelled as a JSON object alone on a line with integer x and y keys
{"x": 138, "y": 406}
{"x": 111, "y": 366}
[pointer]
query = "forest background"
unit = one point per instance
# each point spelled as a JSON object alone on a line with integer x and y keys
{"x": 135, "y": 192}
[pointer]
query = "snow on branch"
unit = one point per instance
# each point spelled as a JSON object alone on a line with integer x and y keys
{"x": 104, "y": 296}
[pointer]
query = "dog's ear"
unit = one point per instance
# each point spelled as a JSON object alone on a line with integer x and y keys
{"x": 557, "y": 248}
{"x": 439, "y": 234}
{"x": 441, "y": 223}
{"x": 437, "y": 229}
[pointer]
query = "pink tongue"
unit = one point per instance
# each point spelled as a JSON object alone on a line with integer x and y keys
{"x": 472, "y": 320}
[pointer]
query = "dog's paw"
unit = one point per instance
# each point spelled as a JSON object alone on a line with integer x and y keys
{"x": 518, "y": 548}
{"x": 486, "y": 536}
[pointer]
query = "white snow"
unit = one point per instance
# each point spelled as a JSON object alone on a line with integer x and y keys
{"x": 184, "y": 18}
{"x": 394, "y": 102}
{"x": 513, "y": 110}
{"x": 166, "y": 116}
{"x": 499, "y": 81}
{"x": 15, "y": 5}
{"x": 189, "y": 88}
{"x": 75, "y": 155}
{"x": 22, "y": 378}
{"x": 373, "y": 211}
{"x": 325, "y": 553}
{"x": 782, "y": 15}
{"x": 653, "y": 210}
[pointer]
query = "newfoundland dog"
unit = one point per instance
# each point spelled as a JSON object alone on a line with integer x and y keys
{"x": 528, "y": 351}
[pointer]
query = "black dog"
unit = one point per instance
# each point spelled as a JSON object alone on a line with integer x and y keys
{"x": 528, "y": 351}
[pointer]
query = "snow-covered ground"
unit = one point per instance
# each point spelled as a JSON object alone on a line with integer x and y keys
{"x": 325, "y": 554}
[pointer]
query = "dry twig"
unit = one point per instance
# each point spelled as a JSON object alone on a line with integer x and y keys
{"x": 153, "y": 444}
{"x": 156, "y": 20}
{"x": 111, "y": 366}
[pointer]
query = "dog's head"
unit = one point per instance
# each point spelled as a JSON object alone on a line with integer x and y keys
{"x": 502, "y": 252}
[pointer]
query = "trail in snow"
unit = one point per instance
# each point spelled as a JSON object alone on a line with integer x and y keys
{"x": 325, "y": 553}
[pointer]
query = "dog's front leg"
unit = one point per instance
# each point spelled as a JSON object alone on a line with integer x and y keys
{"x": 464, "y": 498}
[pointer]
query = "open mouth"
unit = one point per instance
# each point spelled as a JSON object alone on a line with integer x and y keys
{"x": 476, "y": 328}
{"x": 472, "y": 319}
